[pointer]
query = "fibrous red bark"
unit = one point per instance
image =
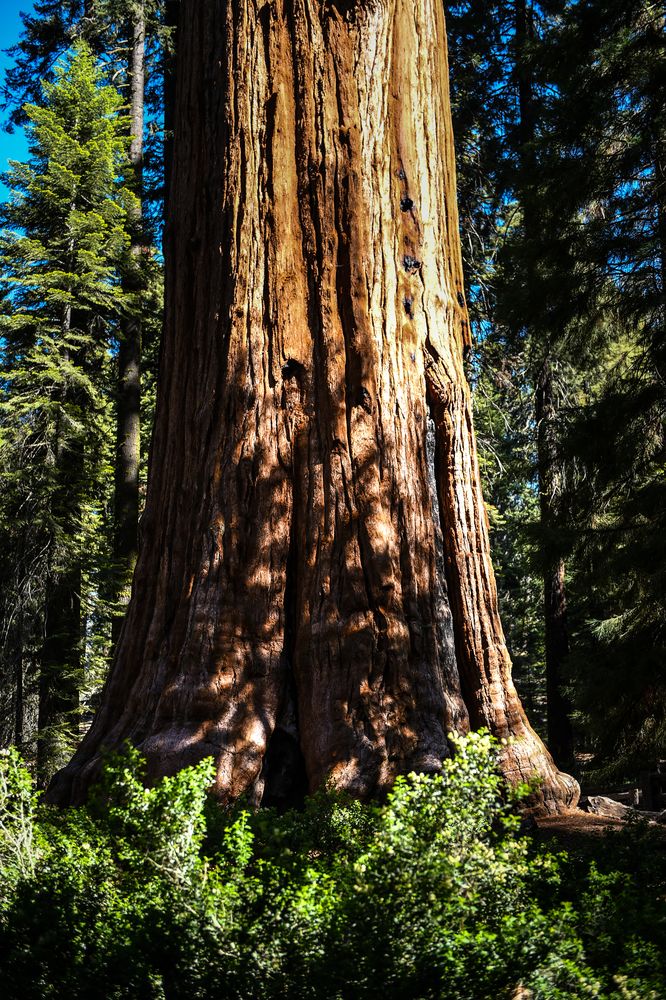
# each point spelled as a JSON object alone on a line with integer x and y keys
{"x": 294, "y": 587}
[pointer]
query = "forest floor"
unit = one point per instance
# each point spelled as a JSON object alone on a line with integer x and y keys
{"x": 577, "y": 823}
{"x": 576, "y": 828}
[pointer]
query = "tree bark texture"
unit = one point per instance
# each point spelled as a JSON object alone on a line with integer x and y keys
{"x": 288, "y": 585}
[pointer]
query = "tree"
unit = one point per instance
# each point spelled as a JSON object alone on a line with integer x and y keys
{"x": 128, "y": 420}
{"x": 485, "y": 111}
{"x": 48, "y": 31}
{"x": 544, "y": 348}
{"x": 521, "y": 354}
{"x": 129, "y": 36}
{"x": 128, "y": 39}
{"x": 303, "y": 588}
{"x": 607, "y": 61}
{"x": 582, "y": 278}
{"x": 65, "y": 233}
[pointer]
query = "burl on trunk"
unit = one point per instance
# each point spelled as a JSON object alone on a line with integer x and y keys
{"x": 314, "y": 598}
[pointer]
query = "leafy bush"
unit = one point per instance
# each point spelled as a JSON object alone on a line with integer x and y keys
{"x": 159, "y": 893}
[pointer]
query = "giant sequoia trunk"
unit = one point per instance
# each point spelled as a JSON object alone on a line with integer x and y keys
{"x": 289, "y": 601}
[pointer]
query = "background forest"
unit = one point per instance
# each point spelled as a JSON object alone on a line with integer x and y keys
{"x": 559, "y": 115}
{"x": 560, "y": 126}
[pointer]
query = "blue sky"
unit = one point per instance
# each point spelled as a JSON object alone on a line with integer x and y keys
{"x": 11, "y": 146}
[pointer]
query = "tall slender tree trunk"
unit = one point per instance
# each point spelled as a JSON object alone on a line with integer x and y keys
{"x": 289, "y": 574}
{"x": 658, "y": 120}
{"x": 560, "y": 734}
{"x": 60, "y": 655}
{"x": 19, "y": 675}
{"x": 128, "y": 428}
{"x": 659, "y": 125}
{"x": 171, "y": 17}
{"x": 59, "y": 673}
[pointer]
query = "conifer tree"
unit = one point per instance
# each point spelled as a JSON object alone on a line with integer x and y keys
{"x": 132, "y": 40}
{"x": 491, "y": 58}
{"x": 605, "y": 157}
{"x": 572, "y": 311}
{"x": 65, "y": 236}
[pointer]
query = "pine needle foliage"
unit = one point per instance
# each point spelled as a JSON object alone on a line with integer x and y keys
{"x": 61, "y": 248}
{"x": 580, "y": 288}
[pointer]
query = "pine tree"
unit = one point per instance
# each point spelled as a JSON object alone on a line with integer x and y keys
{"x": 49, "y": 29}
{"x": 131, "y": 38}
{"x": 606, "y": 147}
{"x": 65, "y": 236}
{"x": 494, "y": 179}
{"x": 580, "y": 289}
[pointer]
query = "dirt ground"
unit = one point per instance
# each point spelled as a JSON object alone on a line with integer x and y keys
{"x": 574, "y": 828}
{"x": 575, "y": 821}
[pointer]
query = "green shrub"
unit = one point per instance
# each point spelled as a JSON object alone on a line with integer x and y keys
{"x": 159, "y": 893}
{"x": 20, "y": 845}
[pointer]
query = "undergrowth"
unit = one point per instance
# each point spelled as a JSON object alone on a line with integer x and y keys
{"x": 159, "y": 893}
